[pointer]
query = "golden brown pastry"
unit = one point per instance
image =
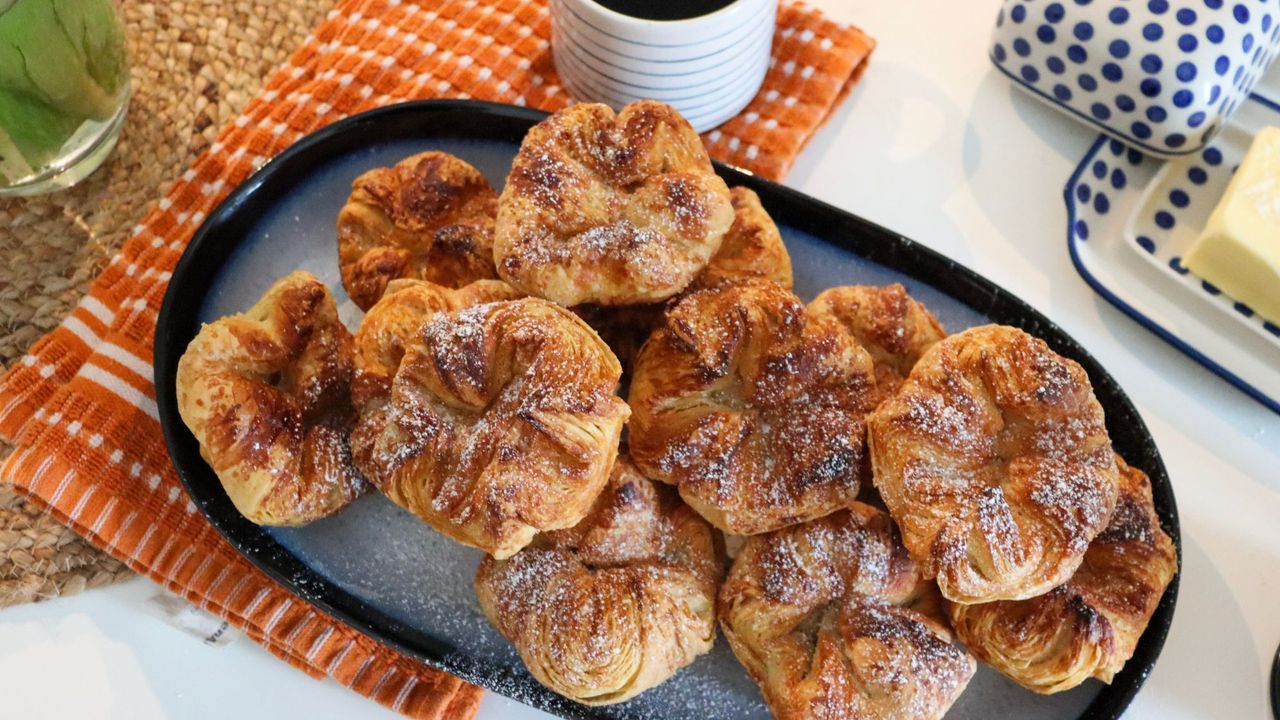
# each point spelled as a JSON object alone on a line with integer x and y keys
{"x": 755, "y": 412}
{"x": 752, "y": 248}
{"x": 833, "y": 620}
{"x": 267, "y": 395}
{"x": 607, "y": 609}
{"x": 396, "y": 321}
{"x": 430, "y": 217}
{"x": 615, "y": 210}
{"x": 1090, "y": 625}
{"x": 888, "y": 322}
{"x": 501, "y": 424}
{"x": 994, "y": 460}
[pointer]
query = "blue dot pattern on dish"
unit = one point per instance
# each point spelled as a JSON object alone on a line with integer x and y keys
{"x": 1191, "y": 64}
{"x": 1188, "y": 192}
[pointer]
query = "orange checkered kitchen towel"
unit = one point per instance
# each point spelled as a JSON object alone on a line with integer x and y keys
{"x": 81, "y": 409}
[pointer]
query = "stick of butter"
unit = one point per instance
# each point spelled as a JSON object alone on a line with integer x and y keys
{"x": 1239, "y": 250}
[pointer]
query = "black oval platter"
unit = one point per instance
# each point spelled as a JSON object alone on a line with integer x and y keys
{"x": 215, "y": 242}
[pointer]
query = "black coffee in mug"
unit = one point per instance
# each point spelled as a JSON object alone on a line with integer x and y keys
{"x": 665, "y": 9}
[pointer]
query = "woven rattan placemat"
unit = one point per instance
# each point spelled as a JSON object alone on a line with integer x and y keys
{"x": 195, "y": 66}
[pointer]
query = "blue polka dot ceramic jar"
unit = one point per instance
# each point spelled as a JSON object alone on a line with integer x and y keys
{"x": 1161, "y": 75}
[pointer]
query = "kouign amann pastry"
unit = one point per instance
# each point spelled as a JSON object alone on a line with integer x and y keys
{"x": 994, "y": 459}
{"x": 887, "y": 322}
{"x": 615, "y": 605}
{"x": 752, "y": 248}
{"x": 501, "y": 423}
{"x": 610, "y": 209}
{"x": 430, "y": 217}
{"x": 267, "y": 395}
{"x": 396, "y": 322}
{"x": 754, "y": 411}
{"x": 1089, "y": 626}
{"x": 833, "y": 620}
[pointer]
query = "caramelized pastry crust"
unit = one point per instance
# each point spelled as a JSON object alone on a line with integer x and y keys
{"x": 887, "y": 322}
{"x": 833, "y": 620}
{"x": 994, "y": 460}
{"x": 501, "y": 424}
{"x": 1089, "y": 626}
{"x": 396, "y": 322}
{"x": 429, "y": 217}
{"x": 755, "y": 412}
{"x": 752, "y": 248}
{"x": 615, "y": 210}
{"x": 266, "y": 394}
{"x": 615, "y": 605}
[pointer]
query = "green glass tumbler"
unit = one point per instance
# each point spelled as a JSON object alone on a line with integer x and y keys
{"x": 64, "y": 90}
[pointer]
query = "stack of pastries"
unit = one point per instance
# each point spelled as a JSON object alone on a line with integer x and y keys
{"x": 904, "y": 501}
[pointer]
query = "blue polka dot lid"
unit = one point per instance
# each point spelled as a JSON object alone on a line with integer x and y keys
{"x": 1161, "y": 75}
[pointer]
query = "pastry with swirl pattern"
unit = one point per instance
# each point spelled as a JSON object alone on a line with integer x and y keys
{"x": 502, "y": 423}
{"x": 396, "y": 322}
{"x": 833, "y": 620}
{"x": 1090, "y": 625}
{"x": 429, "y": 217}
{"x": 266, "y": 393}
{"x": 888, "y": 322}
{"x": 752, "y": 248}
{"x": 610, "y": 209}
{"x": 994, "y": 460}
{"x": 615, "y": 605}
{"x": 753, "y": 410}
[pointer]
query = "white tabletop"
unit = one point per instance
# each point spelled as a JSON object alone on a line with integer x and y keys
{"x": 937, "y": 145}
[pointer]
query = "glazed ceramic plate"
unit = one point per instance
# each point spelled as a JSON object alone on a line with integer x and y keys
{"x": 382, "y": 571}
{"x": 1131, "y": 219}
{"x": 1179, "y": 200}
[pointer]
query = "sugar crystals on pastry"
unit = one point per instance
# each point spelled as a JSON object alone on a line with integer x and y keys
{"x": 610, "y": 209}
{"x": 501, "y": 423}
{"x": 615, "y": 605}
{"x": 266, "y": 394}
{"x": 752, "y": 249}
{"x": 993, "y": 458}
{"x": 1090, "y": 625}
{"x": 429, "y": 217}
{"x": 889, "y": 323}
{"x": 753, "y": 410}
{"x": 395, "y": 323}
{"x": 833, "y": 619}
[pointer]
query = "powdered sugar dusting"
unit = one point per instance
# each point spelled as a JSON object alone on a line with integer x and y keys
{"x": 995, "y": 456}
